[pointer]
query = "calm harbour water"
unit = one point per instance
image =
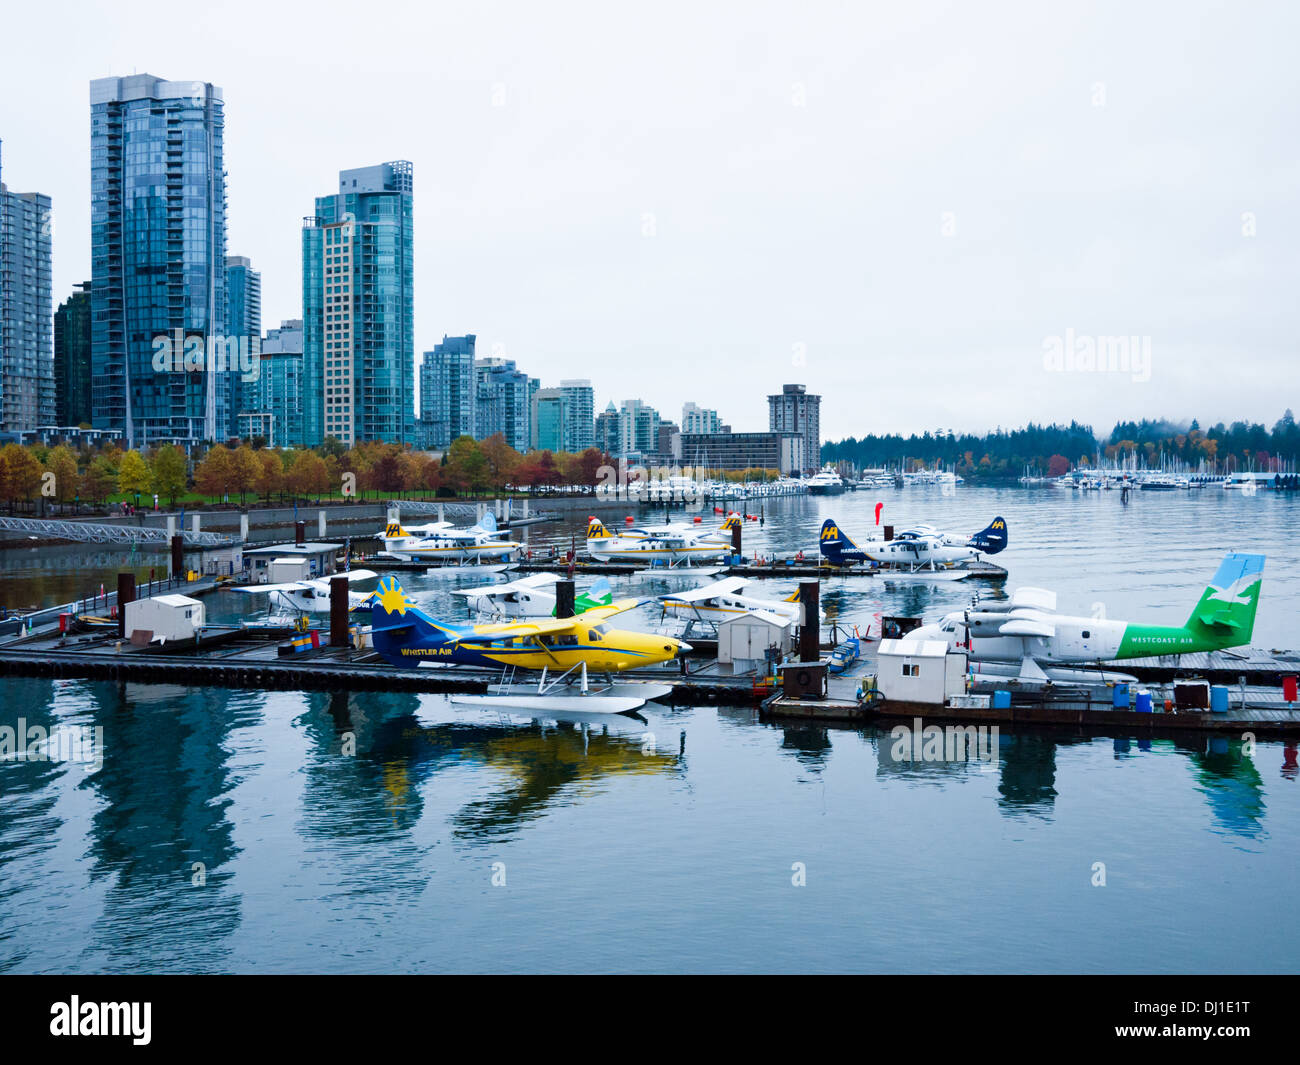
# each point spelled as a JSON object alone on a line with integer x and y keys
{"x": 670, "y": 844}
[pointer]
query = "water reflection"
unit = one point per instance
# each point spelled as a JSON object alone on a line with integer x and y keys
{"x": 538, "y": 766}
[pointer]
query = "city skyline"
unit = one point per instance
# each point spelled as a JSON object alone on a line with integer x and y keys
{"x": 1040, "y": 206}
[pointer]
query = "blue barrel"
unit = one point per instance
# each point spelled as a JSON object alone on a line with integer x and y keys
{"x": 1143, "y": 702}
{"x": 1119, "y": 697}
{"x": 1218, "y": 699}
{"x": 1001, "y": 700}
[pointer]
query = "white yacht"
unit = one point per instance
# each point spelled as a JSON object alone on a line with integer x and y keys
{"x": 826, "y": 482}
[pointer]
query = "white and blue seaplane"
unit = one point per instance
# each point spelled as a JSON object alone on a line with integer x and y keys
{"x": 443, "y": 544}
{"x": 312, "y": 596}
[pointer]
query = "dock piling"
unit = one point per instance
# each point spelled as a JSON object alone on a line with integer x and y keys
{"x": 810, "y": 642}
{"x": 339, "y": 612}
{"x": 125, "y": 594}
{"x": 564, "y": 604}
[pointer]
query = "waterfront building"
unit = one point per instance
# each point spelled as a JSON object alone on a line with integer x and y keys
{"x": 358, "y": 308}
{"x": 275, "y": 400}
{"x": 72, "y": 358}
{"x": 447, "y": 392}
{"x": 795, "y": 411}
{"x": 158, "y": 248}
{"x": 503, "y": 401}
{"x": 783, "y": 452}
{"x": 26, "y": 344}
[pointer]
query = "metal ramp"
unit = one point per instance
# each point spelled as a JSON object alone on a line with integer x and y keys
{"x": 95, "y": 533}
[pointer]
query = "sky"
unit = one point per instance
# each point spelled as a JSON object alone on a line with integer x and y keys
{"x": 930, "y": 213}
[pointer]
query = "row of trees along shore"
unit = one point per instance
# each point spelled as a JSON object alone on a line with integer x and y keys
{"x": 245, "y": 472}
{"x": 1053, "y": 450}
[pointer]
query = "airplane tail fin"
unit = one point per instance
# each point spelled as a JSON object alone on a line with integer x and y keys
{"x": 796, "y": 596}
{"x": 731, "y": 522}
{"x": 394, "y": 531}
{"x": 833, "y": 542}
{"x": 396, "y": 624}
{"x": 487, "y": 523}
{"x": 992, "y": 539}
{"x": 596, "y": 530}
{"x": 599, "y": 594}
{"x": 1225, "y": 614}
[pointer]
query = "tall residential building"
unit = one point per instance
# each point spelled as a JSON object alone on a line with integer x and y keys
{"x": 699, "y": 420}
{"x": 562, "y": 417}
{"x": 447, "y": 392}
{"x": 243, "y": 320}
{"x": 503, "y": 401}
{"x": 26, "y": 344}
{"x": 158, "y": 255}
{"x": 549, "y": 420}
{"x": 631, "y": 431}
{"x": 274, "y": 403}
{"x": 72, "y": 358}
{"x": 358, "y": 308}
{"x": 795, "y": 411}
{"x": 580, "y": 415}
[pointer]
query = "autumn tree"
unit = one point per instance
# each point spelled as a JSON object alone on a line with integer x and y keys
{"x": 20, "y": 474}
{"x": 246, "y": 471}
{"x": 63, "y": 464}
{"x": 270, "y": 478}
{"x": 215, "y": 475}
{"x": 169, "y": 470}
{"x": 98, "y": 481}
{"x": 133, "y": 475}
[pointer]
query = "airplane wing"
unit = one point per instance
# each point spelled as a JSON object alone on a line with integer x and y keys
{"x": 723, "y": 587}
{"x": 534, "y": 580}
{"x": 1039, "y": 598}
{"x": 266, "y": 589}
{"x": 602, "y": 613}
{"x": 1026, "y": 627}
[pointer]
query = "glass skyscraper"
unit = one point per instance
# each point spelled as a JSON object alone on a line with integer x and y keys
{"x": 26, "y": 345}
{"x": 447, "y": 392}
{"x": 243, "y": 323}
{"x": 562, "y": 417}
{"x": 275, "y": 403}
{"x": 72, "y": 358}
{"x": 158, "y": 251}
{"x": 359, "y": 309}
{"x": 503, "y": 402}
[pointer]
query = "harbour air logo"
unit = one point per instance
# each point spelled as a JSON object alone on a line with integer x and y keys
{"x": 830, "y": 532}
{"x": 102, "y": 1018}
{"x": 178, "y": 353}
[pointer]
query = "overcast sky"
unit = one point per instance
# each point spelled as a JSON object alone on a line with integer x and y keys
{"x": 899, "y": 204}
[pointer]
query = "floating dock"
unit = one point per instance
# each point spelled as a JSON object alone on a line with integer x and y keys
{"x": 791, "y": 569}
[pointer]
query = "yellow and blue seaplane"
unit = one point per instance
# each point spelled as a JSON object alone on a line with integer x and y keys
{"x": 565, "y": 651}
